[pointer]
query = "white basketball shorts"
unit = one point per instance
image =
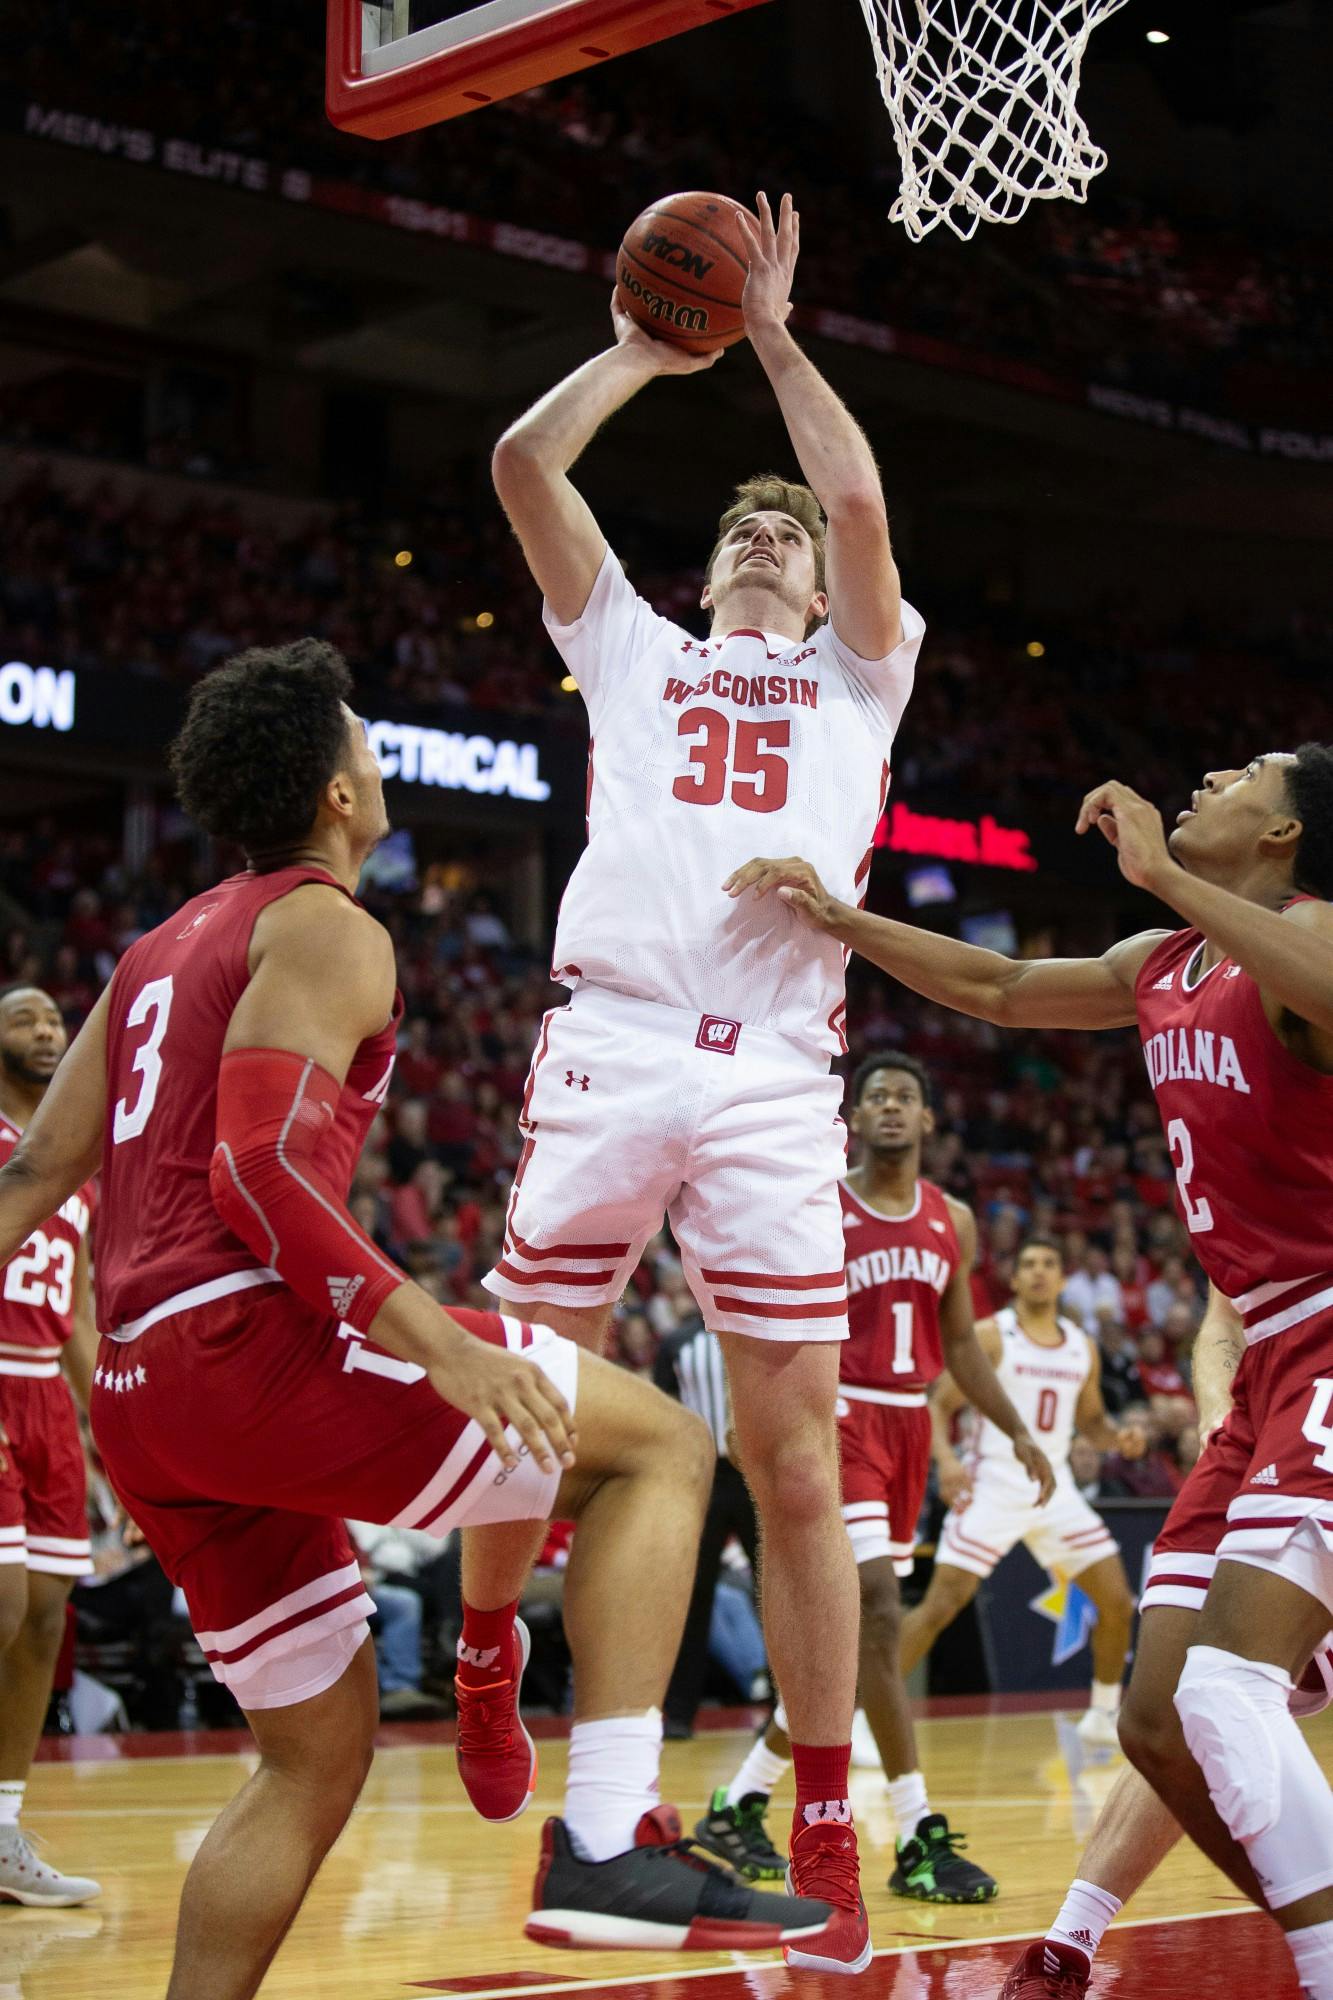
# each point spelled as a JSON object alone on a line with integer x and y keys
{"x": 633, "y": 1112}
{"x": 1065, "y": 1536}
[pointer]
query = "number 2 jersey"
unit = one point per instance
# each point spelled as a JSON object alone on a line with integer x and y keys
{"x": 898, "y": 1269}
{"x": 704, "y": 754}
{"x": 1250, "y": 1130}
{"x": 172, "y": 997}
{"x": 37, "y": 1293}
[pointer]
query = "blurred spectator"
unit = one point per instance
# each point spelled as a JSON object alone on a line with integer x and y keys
{"x": 1120, "y": 1374}
{"x": 1150, "y": 1475}
{"x": 1092, "y": 1293}
{"x": 1085, "y": 1463}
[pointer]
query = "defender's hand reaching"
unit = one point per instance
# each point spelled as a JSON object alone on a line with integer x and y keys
{"x": 797, "y": 886}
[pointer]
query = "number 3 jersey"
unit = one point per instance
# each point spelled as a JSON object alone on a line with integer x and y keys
{"x": 704, "y": 754}
{"x": 37, "y": 1293}
{"x": 1250, "y": 1130}
{"x": 171, "y": 999}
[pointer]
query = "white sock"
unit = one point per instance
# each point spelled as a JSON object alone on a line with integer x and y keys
{"x": 1312, "y": 1950}
{"x": 1084, "y": 1916}
{"x": 1106, "y": 1696}
{"x": 612, "y": 1781}
{"x": 761, "y": 1772}
{"x": 11, "y": 1800}
{"x": 907, "y": 1795}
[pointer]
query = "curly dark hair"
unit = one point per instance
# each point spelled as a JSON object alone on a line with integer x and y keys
{"x": 1309, "y": 784}
{"x": 890, "y": 1059}
{"x": 263, "y": 735}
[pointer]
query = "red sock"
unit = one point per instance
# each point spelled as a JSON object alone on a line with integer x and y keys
{"x": 484, "y": 1650}
{"x": 821, "y": 1782}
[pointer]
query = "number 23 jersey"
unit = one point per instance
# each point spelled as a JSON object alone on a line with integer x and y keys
{"x": 704, "y": 754}
{"x": 37, "y": 1285}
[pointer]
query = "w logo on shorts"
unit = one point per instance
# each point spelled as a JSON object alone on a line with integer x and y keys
{"x": 718, "y": 1035}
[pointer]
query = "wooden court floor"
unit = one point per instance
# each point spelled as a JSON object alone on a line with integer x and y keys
{"x": 420, "y": 1896}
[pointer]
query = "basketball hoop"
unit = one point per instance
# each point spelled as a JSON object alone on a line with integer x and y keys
{"x": 982, "y": 98}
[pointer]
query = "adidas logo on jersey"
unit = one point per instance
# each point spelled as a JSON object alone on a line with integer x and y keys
{"x": 1165, "y": 983}
{"x": 1268, "y": 1477}
{"x": 342, "y": 1291}
{"x": 935, "y": 1223}
{"x": 850, "y": 1221}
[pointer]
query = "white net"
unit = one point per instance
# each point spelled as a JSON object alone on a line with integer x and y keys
{"x": 983, "y": 99}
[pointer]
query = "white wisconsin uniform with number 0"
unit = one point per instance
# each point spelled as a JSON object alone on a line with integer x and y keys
{"x": 1066, "y": 1535}
{"x": 689, "y": 1075}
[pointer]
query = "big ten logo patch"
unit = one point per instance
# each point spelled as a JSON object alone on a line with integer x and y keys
{"x": 718, "y": 1036}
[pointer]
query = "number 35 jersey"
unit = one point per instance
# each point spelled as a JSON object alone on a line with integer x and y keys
{"x": 1250, "y": 1131}
{"x": 704, "y": 754}
{"x": 37, "y": 1287}
{"x": 171, "y": 999}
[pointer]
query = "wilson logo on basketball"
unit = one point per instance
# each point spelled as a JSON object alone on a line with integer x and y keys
{"x": 667, "y": 251}
{"x": 684, "y": 319}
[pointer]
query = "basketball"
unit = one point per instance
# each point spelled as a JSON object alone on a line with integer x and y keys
{"x": 681, "y": 270}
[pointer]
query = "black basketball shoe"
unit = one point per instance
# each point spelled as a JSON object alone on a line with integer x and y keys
{"x": 661, "y": 1895}
{"x": 738, "y": 1836}
{"x": 931, "y": 1868}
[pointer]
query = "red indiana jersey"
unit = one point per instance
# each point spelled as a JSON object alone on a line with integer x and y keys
{"x": 1250, "y": 1129}
{"x": 898, "y": 1267}
{"x": 37, "y": 1295}
{"x": 172, "y": 997}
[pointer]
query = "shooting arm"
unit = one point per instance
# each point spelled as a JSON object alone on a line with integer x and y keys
{"x": 62, "y": 1146}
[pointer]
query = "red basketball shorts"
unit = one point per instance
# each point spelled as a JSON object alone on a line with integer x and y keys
{"x": 240, "y": 1434}
{"x": 43, "y": 1482}
{"x": 885, "y": 1465}
{"x": 1262, "y": 1492}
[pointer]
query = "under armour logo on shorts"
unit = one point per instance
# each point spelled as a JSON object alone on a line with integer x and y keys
{"x": 571, "y": 1080}
{"x": 718, "y": 1035}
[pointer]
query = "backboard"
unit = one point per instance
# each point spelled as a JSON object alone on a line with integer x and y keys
{"x": 395, "y": 65}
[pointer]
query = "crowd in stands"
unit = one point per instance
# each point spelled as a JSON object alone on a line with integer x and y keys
{"x": 109, "y": 580}
{"x": 1113, "y": 290}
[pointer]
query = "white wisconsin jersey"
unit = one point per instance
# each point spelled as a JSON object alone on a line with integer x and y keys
{"x": 703, "y": 755}
{"x": 1044, "y": 1385}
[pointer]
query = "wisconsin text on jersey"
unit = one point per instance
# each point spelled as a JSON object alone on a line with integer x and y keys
{"x": 749, "y": 690}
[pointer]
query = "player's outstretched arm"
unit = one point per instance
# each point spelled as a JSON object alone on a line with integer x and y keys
{"x": 61, "y": 1147}
{"x": 322, "y": 981}
{"x": 972, "y": 1365}
{"x": 530, "y": 465}
{"x": 831, "y": 447}
{"x": 1013, "y": 992}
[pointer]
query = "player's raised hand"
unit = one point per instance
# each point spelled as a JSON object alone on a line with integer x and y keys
{"x": 499, "y": 1389}
{"x": 660, "y": 355}
{"x": 1036, "y": 1465}
{"x": 796, "y": 884}
{"x": 774, "y": 247}
{"x": 1133, "y": 827}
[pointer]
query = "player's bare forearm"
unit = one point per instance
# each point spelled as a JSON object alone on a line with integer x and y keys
{"x": 61, "y": 1147}
{"x": 78, "y": 1357}
{"x": 830, "y": 446}
{"x": 977, "y": 1382}
{"x": 557, "y": 430}
{"x": 1218, "y": 1348}
{"x": 1291, "y": 959}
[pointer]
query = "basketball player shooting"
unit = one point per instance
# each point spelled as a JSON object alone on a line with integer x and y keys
{"x": 690, "y": 1072}
{"x": 264, "y": 1373}
{"x": 1235, "y": 1011}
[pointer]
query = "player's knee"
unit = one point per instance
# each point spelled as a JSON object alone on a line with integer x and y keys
{"x": 1150, "y": 1733}
{"x": 44, "y": 1627}
{"x": 1227, "y": 1706}
{"x": 13, "y": 1607}
{"x": 795, "y": 1484}
{"x": 881, "y": 1619}
{"x": 693, "y": 1449}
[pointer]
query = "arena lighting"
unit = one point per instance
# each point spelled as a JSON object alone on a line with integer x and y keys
{"x": 1157, "y": 36}
{"x": 403, "y": 559}
{"x": 982, "y": 841}
{"x": 1035, "y": 650}
{"x": 36, "y": 697}
{"x": 455, "y": 762}
{"x": 569, "y": 685}
{"x": 485, "y": 620}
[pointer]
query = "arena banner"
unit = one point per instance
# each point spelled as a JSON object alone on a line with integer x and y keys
{"x": 480, "y": 753}
{"x": 1035, "y": 1628}
{"x": 252, "y": 174}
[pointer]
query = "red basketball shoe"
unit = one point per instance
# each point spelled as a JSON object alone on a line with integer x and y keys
{"x": 1048, "y": 1971}
{"x": 497, "y": 1759}
{"x": 825, "y": 1867}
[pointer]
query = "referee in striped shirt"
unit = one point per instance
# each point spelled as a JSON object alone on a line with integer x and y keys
{"x": 690, "y": 1367}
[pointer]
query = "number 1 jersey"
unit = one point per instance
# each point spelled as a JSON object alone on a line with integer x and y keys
{"x": 171, "y": 999}
{"x": 704, "y": 754}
